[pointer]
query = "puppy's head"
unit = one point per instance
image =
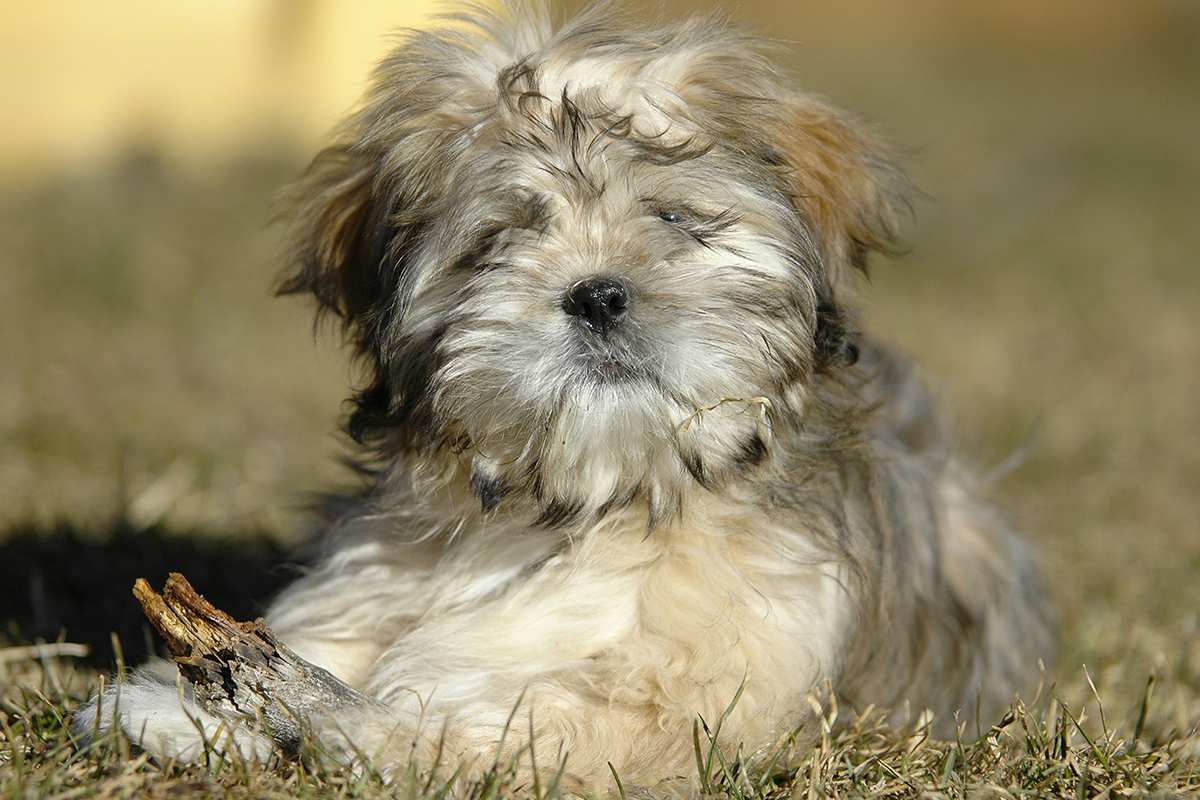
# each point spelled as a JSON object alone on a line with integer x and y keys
{"x": 589, "y": 264}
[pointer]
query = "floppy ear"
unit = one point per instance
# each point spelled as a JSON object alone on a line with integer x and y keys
{"x": 845, "y": 183}
{"x": 851, "y": 194}
{"x": 340, "y": 233}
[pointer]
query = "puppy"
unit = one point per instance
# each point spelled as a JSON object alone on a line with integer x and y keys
{"x": 623, "y": 463}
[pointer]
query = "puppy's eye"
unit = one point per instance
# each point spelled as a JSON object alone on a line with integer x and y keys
{"x": 673, "y": 217}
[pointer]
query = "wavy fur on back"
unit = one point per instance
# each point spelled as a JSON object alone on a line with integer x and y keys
{"x": 620, "y": 526}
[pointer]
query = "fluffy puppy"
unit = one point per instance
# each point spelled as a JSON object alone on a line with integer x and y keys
{"x": 623, "y": 461}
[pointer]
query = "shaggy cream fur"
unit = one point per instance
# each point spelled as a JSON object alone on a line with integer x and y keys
{"x": 617, "y": 509}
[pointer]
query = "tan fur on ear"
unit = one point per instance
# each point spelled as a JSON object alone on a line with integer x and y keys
{"x": 844, "y": 182}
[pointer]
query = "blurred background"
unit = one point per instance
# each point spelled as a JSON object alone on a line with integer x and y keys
{"x": 159, "y": 410}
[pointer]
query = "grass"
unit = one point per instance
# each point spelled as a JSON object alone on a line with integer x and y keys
{"x": 158, "y": 411}
{"x": 1053, "y": 750}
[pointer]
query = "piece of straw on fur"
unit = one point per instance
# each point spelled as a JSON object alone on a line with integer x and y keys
{"x": 763, "y": 403}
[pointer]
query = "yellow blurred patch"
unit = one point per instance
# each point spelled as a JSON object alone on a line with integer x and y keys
{"x": 188, "y": 78}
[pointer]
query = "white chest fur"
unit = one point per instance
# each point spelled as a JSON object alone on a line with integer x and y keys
{"x": 677, "y": 619}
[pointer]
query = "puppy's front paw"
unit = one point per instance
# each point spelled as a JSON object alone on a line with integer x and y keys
{"x": 240, "y": 671}
{"x": 164, "y": 719}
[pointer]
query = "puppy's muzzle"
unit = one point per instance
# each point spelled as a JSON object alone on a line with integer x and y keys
{"x": 600, "y": 303}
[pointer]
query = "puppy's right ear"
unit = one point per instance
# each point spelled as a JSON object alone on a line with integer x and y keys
{"x": 361, "y": 206}
{"x": 340, "y": 232}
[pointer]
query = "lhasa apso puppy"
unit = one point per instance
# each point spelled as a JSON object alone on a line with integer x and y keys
{"x": 627, "y": 453}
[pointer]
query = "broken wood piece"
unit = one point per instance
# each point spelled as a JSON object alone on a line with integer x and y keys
{"x": 240, "y": 669}
{"x": 185, "y": 619}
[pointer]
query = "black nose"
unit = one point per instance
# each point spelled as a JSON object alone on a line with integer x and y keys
{"x": 600, "y": 302}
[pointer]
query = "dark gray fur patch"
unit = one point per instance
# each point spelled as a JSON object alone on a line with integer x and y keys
{"x": 489, "y": 490}
{"x": 752, "y": 452}
{"x": 695, "y": 466}
{"x": 558, "y": 513}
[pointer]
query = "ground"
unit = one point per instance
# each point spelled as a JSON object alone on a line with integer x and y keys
{"x": 159, "y": 411}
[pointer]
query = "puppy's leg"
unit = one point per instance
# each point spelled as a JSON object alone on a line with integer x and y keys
{"x": 160, "y": 714}
{"x": 371, "y": 588}
{"x": 578, "y": 720}
{"x": 337, "y": 621}
{"x": 242, "y": 683}
{"x": 339, "y": 617}
{"x": 342, "y": 614}
{"x": 158, "y": 711}
{"x": 603, "y": 677}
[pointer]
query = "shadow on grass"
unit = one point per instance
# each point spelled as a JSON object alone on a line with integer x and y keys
{"x": 65, "y": 582}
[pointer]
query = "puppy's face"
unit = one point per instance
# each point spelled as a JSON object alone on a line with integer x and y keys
{"x": 589, "y": 265}
{"x": 603, "y": 285}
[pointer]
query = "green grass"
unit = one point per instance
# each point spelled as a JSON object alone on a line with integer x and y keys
{"x": 159, "y": 411}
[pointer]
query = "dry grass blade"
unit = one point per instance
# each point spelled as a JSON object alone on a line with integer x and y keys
{"x": 40, "y": 651}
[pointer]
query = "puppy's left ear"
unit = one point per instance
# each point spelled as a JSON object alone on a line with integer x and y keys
{"x": 844, "y": 182}
{"x": 851, "y": 194}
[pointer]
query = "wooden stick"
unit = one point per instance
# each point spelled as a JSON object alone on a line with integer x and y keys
{"x": 239, "y": 669}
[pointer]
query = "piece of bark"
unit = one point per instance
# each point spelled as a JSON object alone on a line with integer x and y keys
{"x": 239, "y": 669}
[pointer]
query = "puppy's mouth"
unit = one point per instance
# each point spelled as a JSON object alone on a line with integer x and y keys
{"x": 604, "y": 330}
{"x": 611, "y": 370}
{"x": 611, "y": 361}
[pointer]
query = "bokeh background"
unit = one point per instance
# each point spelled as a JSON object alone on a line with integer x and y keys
{"x": 159, "y": 410}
